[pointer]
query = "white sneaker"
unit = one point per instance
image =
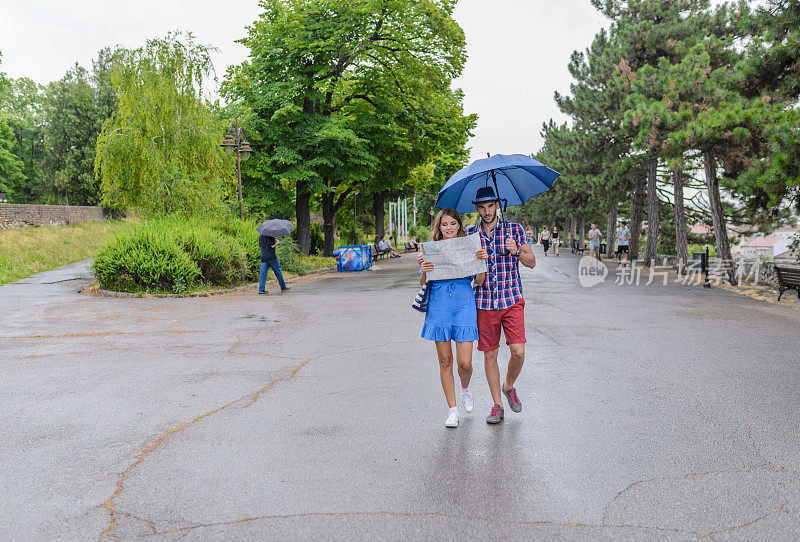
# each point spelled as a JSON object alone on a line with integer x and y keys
{"x": 467, "y": 401}
{"x": 452, "y": 419}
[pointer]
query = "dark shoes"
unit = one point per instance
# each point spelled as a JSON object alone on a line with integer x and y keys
{"x": 287, "y": 288}
{"x": 513, "y": 401}
{"x": 496, "y": 415}
{"x": 262, "y": 292}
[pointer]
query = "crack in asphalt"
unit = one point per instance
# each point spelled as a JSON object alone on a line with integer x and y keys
{"x": 110, "y": 504}
{"x": 184, "y": 531}
{"x": 103, "y": 334}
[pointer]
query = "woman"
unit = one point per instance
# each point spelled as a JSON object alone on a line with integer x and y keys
{"x": 546, "y": 240}
{"x": 555, "y": 240}
{"x": 451, "y": 316}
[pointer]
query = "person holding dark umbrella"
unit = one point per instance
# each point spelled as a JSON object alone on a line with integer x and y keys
{"x": 268, "y": 231}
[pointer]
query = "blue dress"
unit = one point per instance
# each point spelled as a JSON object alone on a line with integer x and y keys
{"x": 452, "y": 313}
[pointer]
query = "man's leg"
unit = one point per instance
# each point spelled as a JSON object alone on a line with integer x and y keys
{"x": 514, "y": 364}
{"x": 489, "y": 344}
{"x": 493, "y": 375}
{"x": 262, "y": 276}
{"x": 275, "y": 265}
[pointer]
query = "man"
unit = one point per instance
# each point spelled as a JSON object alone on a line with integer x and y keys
{"x": 499, "y": 298}
{"x": 383, "y": 246}
{"x": 623, "y": 242}
{"x": 390, "y": 245}
{"x": 594, "y": 242}
{"x": 269, "y": 260}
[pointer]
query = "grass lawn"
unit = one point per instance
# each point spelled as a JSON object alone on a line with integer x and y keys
{"x": 32, "y": 249}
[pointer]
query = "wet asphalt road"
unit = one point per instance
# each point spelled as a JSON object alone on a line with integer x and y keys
{"x": 650, "y": 413}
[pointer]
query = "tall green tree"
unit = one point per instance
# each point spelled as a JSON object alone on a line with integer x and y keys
{"x": 320, "y": 72}
{"x": 24, "y": 111}
{"x": 10, "y": 165}
{"x": 159, "y": 152}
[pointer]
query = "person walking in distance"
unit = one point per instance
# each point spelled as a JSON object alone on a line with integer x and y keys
{"x": 594, "y": 242}
{"x": 554, "y": 235}
{"x": 499, "y": 299}
{"x": 269, "y": 260}
{"x": 545, "y": 240}
{"x": 623, "y": 242}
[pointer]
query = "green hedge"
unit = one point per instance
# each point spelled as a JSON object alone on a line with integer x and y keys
{"x": 176, "y": 255}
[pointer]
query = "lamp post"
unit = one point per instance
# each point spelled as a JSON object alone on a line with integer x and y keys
{"x": 234, "y": 140}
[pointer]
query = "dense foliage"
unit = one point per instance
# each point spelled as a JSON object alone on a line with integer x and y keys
{"x": 347, "y": 98}
{"x": 159, "y": 152}
{"x": 669, "y": 114}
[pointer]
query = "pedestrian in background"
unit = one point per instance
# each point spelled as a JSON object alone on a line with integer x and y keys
{"x": 556, "y": 240}
{"x": 623, "y": 242}
{"x": 594, "y": 242}
{"x": 269, "y": 260}
{"x": 545, "y": 239}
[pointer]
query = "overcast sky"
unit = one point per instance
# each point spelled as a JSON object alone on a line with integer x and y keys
{"x": 518, "y": 49}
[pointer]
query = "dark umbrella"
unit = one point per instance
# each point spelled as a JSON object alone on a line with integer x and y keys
{"x": 275, "y": 227}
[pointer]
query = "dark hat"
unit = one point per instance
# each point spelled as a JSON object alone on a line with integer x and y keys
{"x": 484, "y": 195}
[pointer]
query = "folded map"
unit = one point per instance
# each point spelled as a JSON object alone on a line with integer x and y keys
{"x": 454, "y": 258}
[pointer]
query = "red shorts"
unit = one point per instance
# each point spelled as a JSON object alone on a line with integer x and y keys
{"x": 512, "y": 320}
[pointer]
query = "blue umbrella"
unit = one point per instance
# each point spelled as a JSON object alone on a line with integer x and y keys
{"x": 516, "y": 178}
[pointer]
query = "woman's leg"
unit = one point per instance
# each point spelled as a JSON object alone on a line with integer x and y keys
{"x": 464, "y": 359}
{"x": 445, "y": 354}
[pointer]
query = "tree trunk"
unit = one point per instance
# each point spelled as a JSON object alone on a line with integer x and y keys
{"x": 573, "y": 224}
{"x": 651, "y": 250}
{"x": 581, "y": 231}
{"x": 720, "y": 230}
{"x": 637, "y": 209}
{"x": 611, "y": 231}
{"x": 302, "y": 211}
{"x": 681, "y": 245}
{"x": 328, "y": 223}
{"x": 379, "y": 210}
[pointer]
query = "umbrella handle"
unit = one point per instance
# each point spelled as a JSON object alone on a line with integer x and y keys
{"x": 503, "y": 208}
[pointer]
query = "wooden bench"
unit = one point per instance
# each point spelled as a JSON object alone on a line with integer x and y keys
{"x": 788, "y": 279}
{"x": 378, "y": 254}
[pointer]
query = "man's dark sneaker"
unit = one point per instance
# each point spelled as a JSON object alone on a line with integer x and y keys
{"x": 263, "y": 292}
{"x": 287, "y": 288}
{"x": 513, "y": 400}
{"x": 495, "y": 415}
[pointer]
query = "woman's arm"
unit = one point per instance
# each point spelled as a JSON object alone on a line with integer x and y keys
{"x": 480, "y": 278}
{"x": 425, "y": 266}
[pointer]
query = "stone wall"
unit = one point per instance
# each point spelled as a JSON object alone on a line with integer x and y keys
{"x": 750, "y": 270}
{"x": 13, "y": 215}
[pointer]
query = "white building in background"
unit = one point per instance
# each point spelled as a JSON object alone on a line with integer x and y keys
{"x": 769, "y": 246}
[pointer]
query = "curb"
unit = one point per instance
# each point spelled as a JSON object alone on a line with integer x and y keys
{"x": 210, "y": 293}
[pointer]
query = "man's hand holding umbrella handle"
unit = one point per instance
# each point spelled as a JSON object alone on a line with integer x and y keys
{"x": 511, "y": 245}
{"x": 276, "y": 242}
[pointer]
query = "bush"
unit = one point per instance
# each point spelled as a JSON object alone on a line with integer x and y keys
{"x": 221, "y": 258}
{"x": 146, "y": 257}
{"x": 173, "y": 255}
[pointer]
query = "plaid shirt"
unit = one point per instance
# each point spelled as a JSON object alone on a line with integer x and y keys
{"x": 503, "y": 286}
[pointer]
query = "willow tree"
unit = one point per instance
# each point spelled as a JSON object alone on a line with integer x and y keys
{"x": 160, "y": 152}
